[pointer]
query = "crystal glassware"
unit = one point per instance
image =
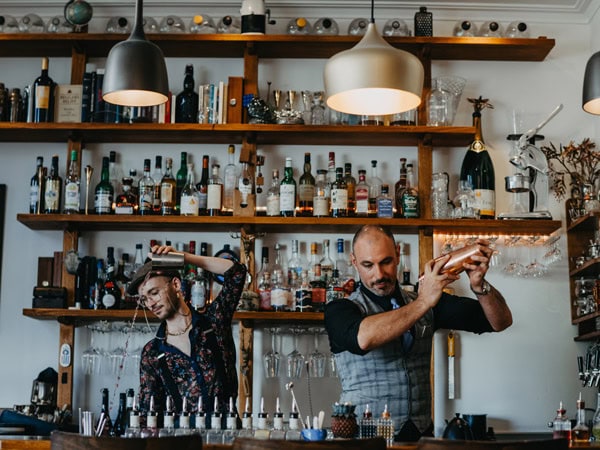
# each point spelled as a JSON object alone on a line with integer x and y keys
{"x": 295, "y": 359}
{"x": 317, "y": 360}
{"x": 272, "y": 358}
{"x": 202, "y": 24}
{"x": 31, "y": 23}
{"x": 326, "y": 26}
{"x": 8, "y": 24}
{"x": 171, "y": 24}
{"x": 58, "y": 24}
{"x": 150, "y": 25}
{"x": 118, "y": 25}
{"x": 358, "y": 27}
{"x": 454, "y": 85}
{"x": 395, "y": 27}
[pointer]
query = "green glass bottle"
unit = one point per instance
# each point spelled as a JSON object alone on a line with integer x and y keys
{"x": 104, "y": 191}
{"x": 287, "y": 190}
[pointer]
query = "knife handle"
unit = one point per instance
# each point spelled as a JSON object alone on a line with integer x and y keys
{"x": 451, "y": 344}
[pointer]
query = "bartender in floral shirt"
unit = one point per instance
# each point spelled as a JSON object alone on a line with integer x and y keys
{"x": 193, "y": 353}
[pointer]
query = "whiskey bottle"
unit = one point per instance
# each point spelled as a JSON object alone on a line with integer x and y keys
{"x": 53, "y": 189}
{"x": 43, "y": 95}
{"x": 316, "y": 282}
{"x": 306, "y": 189}
{"x": 72, "y": 186}
{"x": 214, "y": 200}
{"x": 104, "y": 193}
{"x": 385, "y": 204}
{"x": 181, "y": 179}
{"x": 189, "y": 200}
{"x": 399, "y": 188}
{"x": 287, "y": 190}
{"x": 126, "y": 202}
{"x": 229, "y": 181}
{"x": 157, "y": 176}
{"x": 321, "y": 198}
{"x": 186, "y": 102}
{"x": 273, "y": 197}
{"x": 339, "y": 195}
{"x": 146, "y": 191}
{"x": 361, "y": 194}
{"x": 36, "y": 188}
{"x": 202, "y": 187}
{"x": 351, "y": 187}
{"x": 410, "y": 197}
{"x": 168, "y": 190}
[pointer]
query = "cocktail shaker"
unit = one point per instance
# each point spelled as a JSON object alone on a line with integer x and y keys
{"x": 458, "y": 258}
{"x": 168, "y": 261}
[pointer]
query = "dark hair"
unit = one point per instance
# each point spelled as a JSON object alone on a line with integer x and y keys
{"x": 369, "y": 227}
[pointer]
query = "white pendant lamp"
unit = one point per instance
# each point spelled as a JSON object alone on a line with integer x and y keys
{"x": 373, "y": 78}
{"x": 136, "y": 73}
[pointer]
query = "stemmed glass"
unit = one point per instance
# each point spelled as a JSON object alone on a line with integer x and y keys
{"x": 91, "y": 358}
{"x": 295, "y": 359}
{"x": 513, "y": 267}
{"x": 317, "y": 359}
{"x": 535, "y": 268}
{"x": 272, "y": 358}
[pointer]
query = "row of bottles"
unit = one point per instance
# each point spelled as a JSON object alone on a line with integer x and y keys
{"x": 491, "y": 28}
{"x": 32, "y": 23}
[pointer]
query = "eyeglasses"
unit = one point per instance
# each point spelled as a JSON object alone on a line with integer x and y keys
{"x": 154, "y": 295}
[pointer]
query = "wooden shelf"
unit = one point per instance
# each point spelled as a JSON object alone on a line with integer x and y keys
{"x": 589, "y": 268}
{"x": 92, "y": 222}
{"x": 354, "y": 135}
{"x": 584, "y": 223}
{"x": 276, "y": 46}
{"x": 83, "y": 316}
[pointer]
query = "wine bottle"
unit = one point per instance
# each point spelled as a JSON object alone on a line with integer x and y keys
{"x": 36, "y": 188}
{"x": 120, "y": 424}
{"x": 53, "y": 191}
{"x": 168, "y": 190}
{"x": 104, "y": 191}
{"x": 104, "y": 414}
{"x": 43, "y": 90}
{"x": 72, "y": 184}
{"x": 306, "y": 189}
{"x": 230, "y": 181}
{"x": 477, "y": 167}
{"x": 273, "y": 197}
{"x": 186, "y": 102}
{"x": 110, "y": 295}
{"x": 287, "y": 190}
{"x": 339, "y": 195}
{"x": 202, "y": 187}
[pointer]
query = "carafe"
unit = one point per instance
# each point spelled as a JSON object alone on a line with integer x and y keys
{"x": 396, "y": 27}
{"x": 326, "y": 25}
{"x": 438, "y": 104}
{"x": 358, "y": 27}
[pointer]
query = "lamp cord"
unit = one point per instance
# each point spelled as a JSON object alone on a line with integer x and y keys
{"x": 372, "y": 11}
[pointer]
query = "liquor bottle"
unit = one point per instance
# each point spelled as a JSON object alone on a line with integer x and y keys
{"x": 341, "y": 260}
{"x": 339, "y": 195}
{"x": 43, "y": 95}
{"x": 295, "y": 265}
{"x": 264, "y": 281}
{"x": 321, "y": 199}
{"x": 126, "y": 202}
{"x": 168, "y": 190}
{"x": 198, "y": 290}
{"x": 277, "y": 432}
{"x": 120, "y": 424}
{"x": 385, "y": 203}
{"x": 306, "y": 189}
{"x": 229, "y": 181}
{"x": 478, "y": 169}
{"x": 405, "y": 268}
{"x": 181, "y": 179}
{"x": 202, "y": 187}
{"x": 245, "y": 185}
{"x": 214, "y": 200}
{"x": 287, "y": 190}
{"x": 303, "y": 294}
{"x": 351, "y": 187}
{"x": 151, "y": 429}
{"x": 561, "y": 425}
{"x": 580, "y": 434}
{"x": 326, "y": 262}
{"x": 110, "y": 294}
{"x": 184, "y": 420}
{"x": 280, "y": 292}
{"x": 316, "y": 282}
{"x": 36, "y": 187}
{"x": 168, "y": 428}
{"x": 374, "y": 189}
{"x": 186, "y": 102}
{"x": 335, "y": 290}
{"x": 104, "y": 193}
{"x": 133, "y": 429}
{"x": 146, "y": 191}
{"x": 366, "y": 426}
{"x": 53, "y": 189}
{"x": 399, "y": 188}
{"x": 72, "y": 186}
{"x": 115, "y": 172}
{"x": 385, "y": 426}
{"x": 273, "y": 197}
{"x": 104, "y": 414}
{"x": 278, "y": 262}
{"x": 95, "y": 297}
{"x": 157, "y": 176}
{"x": 189, "y": 200}
{"x": 361, "y": 195}
{"x": 331, "y": 168}
{"x": 410, "y": 197}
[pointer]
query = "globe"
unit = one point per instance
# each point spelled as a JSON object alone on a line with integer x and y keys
{"x": 78, "y": 12}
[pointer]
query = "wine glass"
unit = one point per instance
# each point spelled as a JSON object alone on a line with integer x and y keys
{"x": 513, "y": 267}
{"x": 295, "y": 359}
{"x": 272, "y": 358}
{"x": 535, "y": 268}
{"x": 91, "y": 358}
{"x": 317, "y": 359}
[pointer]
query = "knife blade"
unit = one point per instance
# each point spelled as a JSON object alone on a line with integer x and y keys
{"x": 451, "y": 352}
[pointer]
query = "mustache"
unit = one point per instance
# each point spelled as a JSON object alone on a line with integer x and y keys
{"x": 383, "y": 280}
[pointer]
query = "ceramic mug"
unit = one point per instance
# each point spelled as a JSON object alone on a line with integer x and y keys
{"x": 313, "y": 434}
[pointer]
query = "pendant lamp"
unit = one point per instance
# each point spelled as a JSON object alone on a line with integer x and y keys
{"x": 373, "y": 78}
{"x": 591, "y": 85}
{"x": 136, "y": 73}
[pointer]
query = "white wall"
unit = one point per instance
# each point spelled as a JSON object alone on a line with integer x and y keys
{"x": 516, "y": 377}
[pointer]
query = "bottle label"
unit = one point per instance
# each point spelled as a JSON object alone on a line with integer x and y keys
{"x": 485, "y": 201}
{"x": 72, "y": 197}
{"x": 362, "y": 201}
{"x": 33, "y": 197}
{"x": 42, "y": 97}
{"x": 108, "y": 300}
{"x": 166, "y": 192}
{"x": 202, "y": 199}
{"x": 198, "y": 295}
{"x": 103, "y": 203}
{"x": 273, "y": 205}
{"x": 339, "y": 199}
{"x": 279, "y": 298}
{"x": 146, "y": 201}
{"x": 287, "y": 197}
{"x": 320, "y": 206}
{"x": 385, "y": 207}
{"x": 52, "y": 196}
{"x": 265, "y": 299}
{"x": 306, "y": 192}
{"x": 189, "y": 205}
{"x": 303, "y": 298}
{"x": 214, "y": 199}
{"x": 410, "y": 205}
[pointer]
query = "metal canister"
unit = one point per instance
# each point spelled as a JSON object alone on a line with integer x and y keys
{"x": 168, "y": 261}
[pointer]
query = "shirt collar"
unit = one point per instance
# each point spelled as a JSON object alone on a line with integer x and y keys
{"x": 384, "y": 300}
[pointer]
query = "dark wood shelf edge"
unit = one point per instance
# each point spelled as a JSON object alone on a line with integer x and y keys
{"x": 589, "y": 220}
{"x": 587, "y": 336}
{"x": 587, "y": 266}
{"x": 585, "y": 318}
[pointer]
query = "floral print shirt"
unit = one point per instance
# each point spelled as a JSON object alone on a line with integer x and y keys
{"x": 210, "y": 370}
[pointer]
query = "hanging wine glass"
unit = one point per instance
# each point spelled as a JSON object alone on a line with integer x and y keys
{"x": 295, "y": 359}
{"x": 272, "y": 358}
{"x": 317, "y": 359}
{"x": 91, "y": 358}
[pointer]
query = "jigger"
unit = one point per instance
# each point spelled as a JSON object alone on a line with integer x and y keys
{"x": 89, "y": 170}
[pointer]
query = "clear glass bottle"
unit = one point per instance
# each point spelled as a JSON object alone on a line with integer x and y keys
{"x": 230, "y": 432}
{"x": 335, "y": 289}
{"x": 321, "y": 198}
{"x": 280, "y": 292}
{"x": 385, "y": 203}
{"x": 561, "y": 425}
{"x": 157, "y": 176}
{"x": 198, "y": 290}
{"x": 168, "y": 190}
{"x": 273, "y": 198}
{"x": 517, "y": 29}
{"x": 31, "y": 23}
{"x": 439, "y": 195}
{"x": 214, "y": 199}
{"x": 214, "y": 435}
{"x": 262, "y": 430}
{"x": 189, "y": 203}
{"x": 295, "y": 264}
{"x": 264, "y": 290}
{"x": 245, "y": 185}
{"x": 299, "y": 25}
{"x": 410, "y": 196}
{"x": 72, "y": 186}
{"x": 464, "y": 28}
{"x": 326, "y": 262}
{"x": 171, "y": 24}
{"x": 341, "y": 260}
{"x": 339, "y": 195}
{"x": 395, "y": 27}
{"x": 184, "y": 428}
{"x": 326, "y": 26}
{"x": 150, "y": 25}
{"x": 247, "y": 431}
{"x": 438, "y": 103}
{"x": 331, "y": 168}
{"x": 317, "y": 110}
{"x": 200, "y": 419}
{"x": 277, "y": 432}
{"x": 351, "y": 186}
{"x": 133, "y": 429}
{"x": 104, "y": 193}
{"x": 358, "y": 27}
{"x": 287, "y": 190}
{"x": 168, "y": 428}
{"x": 491, "y": 28}
{"x": 146, "y": 191}
{"x": 317, "y": 283}
{"x": 58, "y": 24}
{"x": 229, "y": 181}
{"x": 306, "y": 189}
{"x": 202, "y": 24}
{"x": 115, "y": 171}
{"x": 385, "y": 427}
{"x": 303, "y": 294}
{"x": 374, "y": 189}
{"x": 293, "y": 431}
{"x": 8, "y": 24}
{"x": 366, "y": 425}
{"x": 580, "y": 434}
{"x": 118, "y": 25}
{"x": 229, "y": 25}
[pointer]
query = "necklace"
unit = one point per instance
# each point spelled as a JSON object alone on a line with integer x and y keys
{"x": 179, "y": 333}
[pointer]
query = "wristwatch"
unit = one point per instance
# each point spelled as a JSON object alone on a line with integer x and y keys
{"x": 485, "y": 289}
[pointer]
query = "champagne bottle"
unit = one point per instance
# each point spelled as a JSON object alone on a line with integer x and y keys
{"x": 53, "y": 191}
{"x": 186, "y": 102}
{"x": 104, "y": 191}
{"x": 43, "y": 91}
{"x": 110, "y": 295}
{"x": 168, "y": 190}
{"x": 477, "y": 167}
{"x": 72, "y": 184}
{"x": 306, "y": 189}
{"x": 287, "y": 190}
{"x": 36, "y": 188}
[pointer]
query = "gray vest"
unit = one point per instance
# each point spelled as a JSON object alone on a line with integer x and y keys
{"x": 388, "y": 375}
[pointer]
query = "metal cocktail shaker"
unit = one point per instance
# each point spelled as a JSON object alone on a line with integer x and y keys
{"x": 168, "y": 261}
